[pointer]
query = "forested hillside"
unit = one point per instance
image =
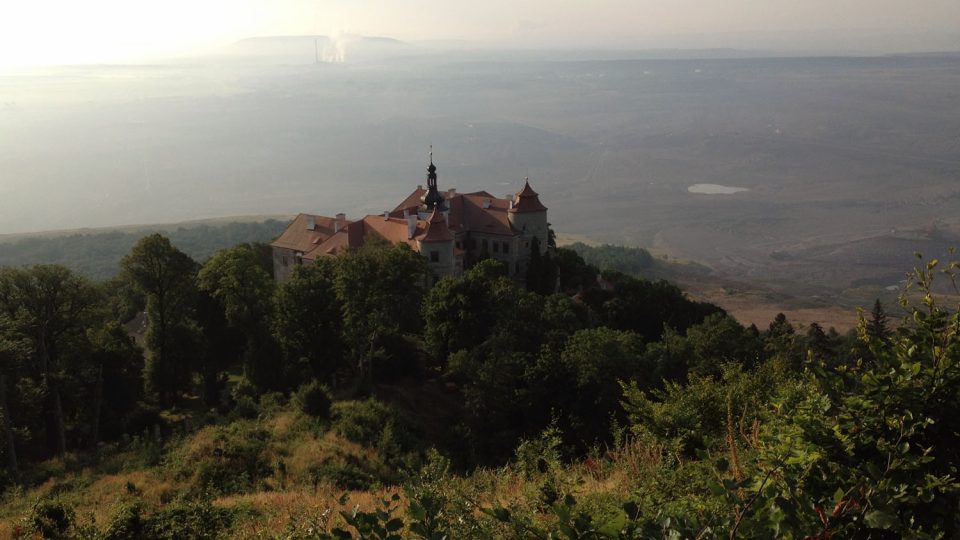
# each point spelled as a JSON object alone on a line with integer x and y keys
{"x": 353, "y": 401}
{"x": 96, "y": 254}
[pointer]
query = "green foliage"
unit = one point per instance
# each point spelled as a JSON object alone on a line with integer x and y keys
{"x": 52, "y": 519}
{"x": 237, "y": 461}
{"x": 165, "y": 276}
{"x": 645, "y": 307}
{"x": 244, "y": 287}
{"x": 313, "y": 399}
{"x": 630, "y": 260}
{"x": 188, "y": 518}
{"x": 380, "y": 289}
{"x": 462, "y": 312}
{"x": 307, "y": 321}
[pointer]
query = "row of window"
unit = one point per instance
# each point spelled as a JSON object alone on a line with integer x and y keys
{"x": 486, "y": 245}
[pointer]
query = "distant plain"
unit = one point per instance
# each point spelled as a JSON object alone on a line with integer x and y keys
{"x": 851, "y": 164}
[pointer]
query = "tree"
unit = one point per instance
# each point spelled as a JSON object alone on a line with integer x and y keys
{"x": 13, "y": 356}
{"x": 307, "y": 323}
{"x": 719, "y": 340}
{"x": 237, "y": 278}
{"x": 541, "y": 270}
{"x": 116, "y": 363}
{"x": 461, "y": 312}
{"x": 380, "y": 289}
{"x": 878, "y": 326}
{"x": 580, "y": 386}
{"x": 49, "y": 306}
{"x": 165, "y": 275}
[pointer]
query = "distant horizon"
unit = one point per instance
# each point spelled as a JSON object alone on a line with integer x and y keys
{"x": 57, "y": 32}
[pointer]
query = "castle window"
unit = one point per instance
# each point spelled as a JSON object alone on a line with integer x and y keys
{"x": 285, "y": 261}
{"x": 506, "y": 247}
{"x": 483, "y": 245}
{"x": 517, "y": 267}
{"x": 473, "y": 243}
{"x": 434, "y": 256}
{"x": 496, "y": 247}
{"x": 459, "y": 246}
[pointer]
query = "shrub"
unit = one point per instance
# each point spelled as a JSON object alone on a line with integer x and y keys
{"x": 51, "y": 519}
{"x": 313, "y": 399}
{"x": 127, "y": 523}
{"x": 362, "y": 422}
{"x": 237, "y": 463}
{"x": 245, "y": 408}
{"x": 196, "y": 519}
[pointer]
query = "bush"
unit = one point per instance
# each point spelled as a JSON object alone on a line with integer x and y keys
{"x": 245, "y": 408}
{"x": 51, "y": 519}
{"x": 196, "y": 519}
{"x": 362, "y": 422}
{"x": 236, "y": 464}
{"x": 127, "y": 523}
{"x": 314, "y": 399}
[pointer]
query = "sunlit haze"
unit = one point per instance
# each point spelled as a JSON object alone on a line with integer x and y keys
{"x": 102, "y": 31}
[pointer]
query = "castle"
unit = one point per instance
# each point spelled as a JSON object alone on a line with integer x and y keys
{"x": 450, "y": 229}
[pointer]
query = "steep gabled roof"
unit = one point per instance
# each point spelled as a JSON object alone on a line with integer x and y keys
{"x": 436, "y": 229}
{"x": 299, "y": 238}
{"x": 527, "y": 200}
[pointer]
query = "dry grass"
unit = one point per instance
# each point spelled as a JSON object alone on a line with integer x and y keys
{"x": 273, "y": 512}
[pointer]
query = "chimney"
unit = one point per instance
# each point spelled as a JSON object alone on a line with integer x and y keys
{"x": 406, "y": 212}
{"x": 341, "y": 217}
{"x": 386, "y": 215}
{"x": 486, "y": 203}
{"x": 452, "y": 192}
{"x": 311, "y": 223}
{"x": 419, "y": 186}
{"x": 411, "y": 226}
{"x": 511, "y": 204}
{"x": 336, "y": 227}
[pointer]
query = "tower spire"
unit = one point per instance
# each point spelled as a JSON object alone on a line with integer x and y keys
{"x": 433, "y": 197}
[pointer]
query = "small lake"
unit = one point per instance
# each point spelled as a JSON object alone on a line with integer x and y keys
{"x": 715, "y": 189}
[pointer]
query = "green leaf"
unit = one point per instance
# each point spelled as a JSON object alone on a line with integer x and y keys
{"x": 881, "y": 519}
{"x": 838, "y": 495}
{"x": 613, "y": 527}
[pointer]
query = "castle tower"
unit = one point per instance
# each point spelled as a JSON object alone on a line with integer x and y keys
{"x": 436, "y": 244}
{"x": 433, "y": 199}
{"x": 528, "y": 215}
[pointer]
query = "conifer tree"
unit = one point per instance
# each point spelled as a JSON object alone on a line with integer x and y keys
{"x": 878, "y": 325}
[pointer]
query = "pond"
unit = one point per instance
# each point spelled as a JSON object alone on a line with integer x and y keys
{"x": 715, "y": 189}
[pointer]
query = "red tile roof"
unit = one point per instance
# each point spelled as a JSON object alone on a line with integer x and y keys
{"x": 527, "y": 200}
{"x": 436, "y": 230}
{"x": 299, "y": 238}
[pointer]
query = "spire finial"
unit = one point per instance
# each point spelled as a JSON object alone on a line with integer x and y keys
{"x": 431, "y": 154}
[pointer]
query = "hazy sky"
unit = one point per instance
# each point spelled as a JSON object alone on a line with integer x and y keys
{"x": 78, "y": 31}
